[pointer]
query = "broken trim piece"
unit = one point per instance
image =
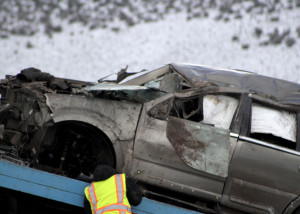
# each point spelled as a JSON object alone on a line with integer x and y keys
{"x": 113, "y": 87}
{"x": 148, "y": 76}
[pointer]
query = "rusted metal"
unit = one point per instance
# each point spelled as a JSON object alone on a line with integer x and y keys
{"x": 200, "y": 146}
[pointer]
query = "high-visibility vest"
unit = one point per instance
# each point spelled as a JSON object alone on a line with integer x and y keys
{"x": 108, "y": 196}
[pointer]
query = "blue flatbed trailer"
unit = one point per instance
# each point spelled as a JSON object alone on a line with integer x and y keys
{"x": 70, "y": 191}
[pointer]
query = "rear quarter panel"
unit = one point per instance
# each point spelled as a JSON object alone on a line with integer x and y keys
{"x": 262, "y": 177}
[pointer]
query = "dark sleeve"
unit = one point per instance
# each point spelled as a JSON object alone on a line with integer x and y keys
{"x": 134, "y": 193}
{"x": 87, "y": 206}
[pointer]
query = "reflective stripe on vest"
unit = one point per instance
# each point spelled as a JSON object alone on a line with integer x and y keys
{"x": 113, "y": 207}
{"x": 119, "y": 188}
{"x": 93, "y": 196}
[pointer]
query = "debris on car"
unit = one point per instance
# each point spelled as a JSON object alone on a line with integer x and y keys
{"x": 207, "y": 137}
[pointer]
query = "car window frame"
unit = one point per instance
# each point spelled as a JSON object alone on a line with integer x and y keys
{"x": 242, "y": 98}
{"x": 245, "y": 111}
{"x": 240, "y": 123}
{"x": 298, "y": 132}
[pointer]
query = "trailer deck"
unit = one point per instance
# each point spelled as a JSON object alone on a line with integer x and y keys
{"x": 62, "y": 189}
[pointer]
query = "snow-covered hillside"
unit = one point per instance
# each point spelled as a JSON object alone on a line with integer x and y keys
{"x": 89, "y": 39}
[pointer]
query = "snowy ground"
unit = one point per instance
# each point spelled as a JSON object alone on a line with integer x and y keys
{"x": 77, "y": 52}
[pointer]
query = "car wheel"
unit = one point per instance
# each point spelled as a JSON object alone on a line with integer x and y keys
{"x": 72, "y": 148}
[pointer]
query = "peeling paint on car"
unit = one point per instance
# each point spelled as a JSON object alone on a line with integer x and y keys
{"x": 200, "y": 146}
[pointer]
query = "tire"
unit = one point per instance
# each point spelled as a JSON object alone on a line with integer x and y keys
{"x": 72, "y": 148}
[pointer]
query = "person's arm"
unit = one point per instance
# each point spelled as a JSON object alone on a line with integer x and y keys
{"x": 134, "y": 194}
{"x": 87, "y": 206}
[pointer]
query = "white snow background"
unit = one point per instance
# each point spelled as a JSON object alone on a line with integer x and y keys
{"x": 80, "y": 53}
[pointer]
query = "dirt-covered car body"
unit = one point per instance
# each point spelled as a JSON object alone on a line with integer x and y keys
{"x": 220, "y": 138}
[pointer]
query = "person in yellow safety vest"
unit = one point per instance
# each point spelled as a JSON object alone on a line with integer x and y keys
{"x": 110, "y": 192}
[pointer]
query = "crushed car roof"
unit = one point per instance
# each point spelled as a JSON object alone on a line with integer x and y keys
{"x": 282, "y": 91}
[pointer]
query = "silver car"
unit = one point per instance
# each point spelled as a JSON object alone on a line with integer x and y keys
{"x": 209, "y": 139}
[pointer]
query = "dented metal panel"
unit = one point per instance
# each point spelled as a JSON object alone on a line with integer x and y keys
{"x": 200, "y": 146}
{"x": 156, "y": 161}
{"x": 266, "y": 176}
{"x": 120, "y": 117}
{"x": 276, "y": 89}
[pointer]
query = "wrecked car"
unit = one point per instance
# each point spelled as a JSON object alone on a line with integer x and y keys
{"x": 210, "y": 139}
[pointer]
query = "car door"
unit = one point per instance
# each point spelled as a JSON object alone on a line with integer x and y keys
{"x": 179, "y": 154}
{"x": 264, "y": 171}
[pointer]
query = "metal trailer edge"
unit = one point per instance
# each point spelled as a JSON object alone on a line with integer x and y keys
{"x": 66, "y": 190}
